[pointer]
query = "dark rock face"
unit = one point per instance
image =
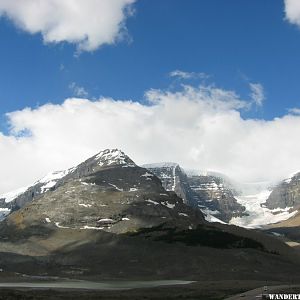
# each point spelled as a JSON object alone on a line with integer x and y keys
{"x": 209, "y": 193}
{"x": 212, "y": 193}
{"x": 286, "y": 194}
{"x": 174, "y": 179}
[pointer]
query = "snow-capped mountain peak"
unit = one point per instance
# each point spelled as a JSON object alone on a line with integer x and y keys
{"x": 109, "y": 157}
{"x": 105, "y": 159}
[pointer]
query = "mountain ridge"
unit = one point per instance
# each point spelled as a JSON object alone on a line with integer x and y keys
{"x": 218, "y": 198}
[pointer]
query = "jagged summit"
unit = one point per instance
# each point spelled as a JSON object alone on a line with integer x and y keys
{"x": 109, "y": 157}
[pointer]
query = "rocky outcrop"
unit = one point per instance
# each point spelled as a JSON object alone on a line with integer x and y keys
{"x": 211, "y": 194}
{"x": 174, "y": 179}
{"x": 214, "y": 197}
{"x": 285, "y": 195}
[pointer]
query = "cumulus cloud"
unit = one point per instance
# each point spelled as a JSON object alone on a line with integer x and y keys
{"x": 198, "y": 127}
{"x": 257, "y": 93}
{"x": 292, "y": 11}
{"x": 188, "y": 75}
{"x": 87, "y": 23}
{"x": 78, "y": 91}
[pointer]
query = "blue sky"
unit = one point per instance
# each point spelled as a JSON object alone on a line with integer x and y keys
{"x": 233, "y": 41}
{"x": 231, "y": 106}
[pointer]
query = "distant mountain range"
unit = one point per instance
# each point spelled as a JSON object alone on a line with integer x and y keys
{"x": 109, "y": 218}
{"x": 215, "y": 195}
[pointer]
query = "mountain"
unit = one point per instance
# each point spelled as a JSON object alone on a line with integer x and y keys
{"x": 108, "y": 218}
{"x": 285, "y": 199}
{"x": 107, "y": 191}
{"x": 286, "y": 195}
{"x": 211, "y": 194}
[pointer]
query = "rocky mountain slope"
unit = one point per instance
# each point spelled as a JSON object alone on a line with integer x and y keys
{"x": 109, "y": 218}
{"x": 210, "y": 193}
{"x": 174, "y": 179}
{"x": 286, "y": 195}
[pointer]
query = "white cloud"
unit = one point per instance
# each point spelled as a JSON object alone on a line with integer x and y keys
{"x": 213, "y": 97}
{"x": 199, "y": 128}
{"x": 77, "y": 90}
{"x": 292, "y": 11}
{"x": 294, "y": 111}
{"x": 188, "y": 75}
{"x": 86, "y": 23}
{"x": 257, "y": 93}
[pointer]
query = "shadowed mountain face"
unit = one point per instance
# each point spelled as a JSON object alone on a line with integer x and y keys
{"x": 209, "y": 193}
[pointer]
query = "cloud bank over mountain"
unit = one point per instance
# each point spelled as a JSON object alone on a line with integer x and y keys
{"x": 198, "y": 127}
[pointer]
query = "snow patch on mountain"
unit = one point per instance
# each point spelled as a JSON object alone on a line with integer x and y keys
{"x": 209, "y": 215}
{"x": 212, "y": 219}
{"x": 52, "y": 176}
{"x": 152, "y": 202}
{"x": 51, "y": 179}
{"x": 169, "y": 205}
{"x": 147, "y": 175}
{"x": 84, "y": 205}
{"x": 13, "y": 195}
{"x": 117, "y": 188}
